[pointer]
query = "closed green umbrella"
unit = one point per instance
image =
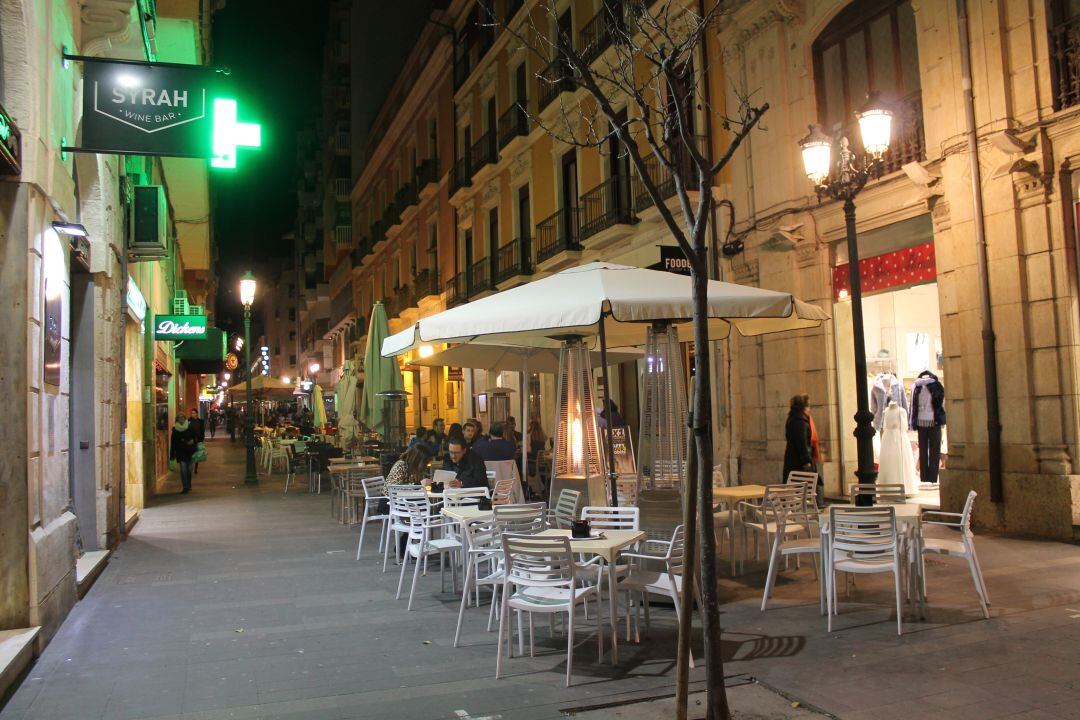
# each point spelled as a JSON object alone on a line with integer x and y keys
{"x": 380, "y": 373}
{"x": 319, "y": 410}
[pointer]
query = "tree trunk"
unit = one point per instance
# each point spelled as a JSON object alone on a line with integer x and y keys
{"x": 703, "y": 441}
{"x": 686, "y": 603}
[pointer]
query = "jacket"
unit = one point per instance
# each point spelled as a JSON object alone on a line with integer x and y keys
{"x": 797, "y": 453}
{"x": 496, "y": 449}
{"x": 886, "y": 387}
{"x": 927, "y": 382}
{"x": 183, "y": 442}
{"x": 470, "y": 470}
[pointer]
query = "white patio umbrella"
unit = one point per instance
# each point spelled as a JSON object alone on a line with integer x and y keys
{"x": 513, "y": 358}
{"x": 609, "y": 305}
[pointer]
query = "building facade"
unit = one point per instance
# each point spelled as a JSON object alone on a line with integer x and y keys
{"x": 78, "y": 369}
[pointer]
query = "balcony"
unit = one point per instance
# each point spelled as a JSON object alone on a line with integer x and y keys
{"x": 460, "y": 174}
{"x": 341, "y": 142}
{"x": 427, "y": 173}
{"x": 513, "y": 259}
{"x": 426, "y": 284}
{"x": 513, "y": 123}
{"x": 342, "y": 188}
{"x": 908, "y": 141}
{"x": 405, "y": 198}
{"x": 404, "y": 299}
{"x": 484, "y": 152}
{"x": 341, "y": 306}
{"x": 343, "y": 236}
{"x": 606, "y": 205}
{"x": 1065, "y": 63}
{"x": 557, "y": 233}
{"x": 480, "y": 277}
{"x": 663, "y": 179}
{"x": 555, "y": 79}
{"x": 597, "y": 34}
{"x": 456, "y": 291}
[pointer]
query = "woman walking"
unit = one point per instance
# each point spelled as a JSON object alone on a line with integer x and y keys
{"x": 182, "y": 445}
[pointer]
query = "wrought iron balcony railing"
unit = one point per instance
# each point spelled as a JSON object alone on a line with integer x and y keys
{"x": 484, "y": 152}
{"x": 557, "y": 233}
{"x": 457, "y": 290}
{"x": 426, "y": 284}
{"x": 513, "y": 123}
{"x": 513, "y": 259}
{"x": 480, "y": 277}
{"x": 555, "y": 79}
{"x": 607, "y": 204}
{"x": 343, "y": 236}
{"x": 427, "y": 172}
{"x": 461, "y": 174}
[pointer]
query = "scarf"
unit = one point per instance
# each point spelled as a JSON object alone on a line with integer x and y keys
{"x": 182, "y": 424}
{"x": 815, "y": 450}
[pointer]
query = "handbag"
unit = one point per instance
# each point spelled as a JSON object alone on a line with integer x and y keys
{"x": 200, "y": 454}
{"x": 172, "y": 465}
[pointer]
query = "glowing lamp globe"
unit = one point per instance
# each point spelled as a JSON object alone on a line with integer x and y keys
{"x": 816, "y": 155}
{"x": 875, "y": 124}
{"x": 247, "y": 289}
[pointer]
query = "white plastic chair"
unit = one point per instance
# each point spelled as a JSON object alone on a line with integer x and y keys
{"x": 722, "y": 512}
{"x": 374, "y": 494}
{"x": 276, "y": 453}
{"x": 457, "y": 497}
{"x": 758, "y": 519}
{"x": 790, "y": 508}
{"x": 524, "y": 519}
{"x": 422, "y": 544}
{"x": 880, "y": 493}
{"x": 565, "y": 511}
{"x": 863, "y": 540}
{"x": 398, "y": 522}
{"x": 483, "y": 567}
{"x": 503, "y": 492}
{"x": 964, "y": 547}
{"x": 646, "y": 580}
{"x": 541, "y": 578}
{"x": 809, "y": 480}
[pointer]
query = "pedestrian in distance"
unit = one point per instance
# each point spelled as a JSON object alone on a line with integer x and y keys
{"x": 230, "y": 424}
{"x": 799, "y": 433}
{"x": 213, "y": 422}
{"x": 183, "y": 443}
{"x": 196, "y": 424}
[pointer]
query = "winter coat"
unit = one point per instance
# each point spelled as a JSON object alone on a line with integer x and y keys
{"x": 183, "y": 442}
{"x": 798, "y": 452}
{"x": 886, "y": 387}
{"x": 927, "y": 382}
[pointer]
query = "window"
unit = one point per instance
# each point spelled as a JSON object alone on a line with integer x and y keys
{"x": 871, "y": 47}
{"x": 524, "y": 212}
{"x": 493, "y": 231}
{"x": 292, "y": 361}
{"x": 292, "y": 314}
{"x": 433, "y": 247}
{"x": 1065, "y": 52}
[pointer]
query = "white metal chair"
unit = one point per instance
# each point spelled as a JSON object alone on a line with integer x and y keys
{"x": 374, "y": 496}
{"x": 790, "y": 508}
{"x": 565, "y": 511}
{"x": 863, "y": 540}
{"x": 422, "y": 544}
{"x": 964, "y": 547}
{"x": 540, "y": 577}
{"x": 483, "y": 567}
{"x": 398, "y": 522}
{"x": 645, "y": 579}
{"x": 880, "y": 493}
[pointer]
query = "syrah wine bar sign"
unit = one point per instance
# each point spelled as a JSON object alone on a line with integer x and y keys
{"x": 180, "y": 327}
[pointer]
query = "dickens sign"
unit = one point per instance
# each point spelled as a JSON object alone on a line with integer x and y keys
{"x": 180, "y": 327}
{"x": 161, "y": 109}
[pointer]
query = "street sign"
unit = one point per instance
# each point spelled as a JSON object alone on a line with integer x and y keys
{"x": 179, "y": 327}
{"x": 161, "y": 109}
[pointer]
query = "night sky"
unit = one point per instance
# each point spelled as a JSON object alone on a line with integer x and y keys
{"x": 276, "y": 63}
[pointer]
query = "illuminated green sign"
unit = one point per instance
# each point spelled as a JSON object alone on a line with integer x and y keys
{"x": 230, "y": 134}
{"x": 179, "y": 327}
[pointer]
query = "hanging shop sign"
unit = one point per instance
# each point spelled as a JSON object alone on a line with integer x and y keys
{"x": 891, "y": 271}
{"x": 161, "y": 109}
{"x": 454, "y": 374}
{"x": 180, "y": 327}
{"x": 231, "y": 362}
{"x": 10, "y": 145}
{"x": 625, "y": 466}
{"x": 673, "y": 260}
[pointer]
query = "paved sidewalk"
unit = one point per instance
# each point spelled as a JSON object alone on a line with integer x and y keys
{"x": 236, "y": 602}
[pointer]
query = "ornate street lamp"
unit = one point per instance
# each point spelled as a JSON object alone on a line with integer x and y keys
{"x": 840, "y": 176}
{"x": 247, "y": 297}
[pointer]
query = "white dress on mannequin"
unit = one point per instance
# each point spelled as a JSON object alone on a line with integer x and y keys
{"x": 895, "y": 464}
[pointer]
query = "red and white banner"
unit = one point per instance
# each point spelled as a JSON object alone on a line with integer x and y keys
{"x": 898, "y": 269}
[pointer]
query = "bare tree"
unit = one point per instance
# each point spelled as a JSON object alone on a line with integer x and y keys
{"x": 632, "y": 79}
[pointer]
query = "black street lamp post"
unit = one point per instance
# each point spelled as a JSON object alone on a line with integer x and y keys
{"x": 247, "y": 297}
{"x": 842, "y": 180}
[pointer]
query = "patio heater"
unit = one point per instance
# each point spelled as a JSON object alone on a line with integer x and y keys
{"x": 498, "y": 404}
{"x": 577, "y": 460}
{"x": 662, "y": 432}
{"x": 394, "y": 402}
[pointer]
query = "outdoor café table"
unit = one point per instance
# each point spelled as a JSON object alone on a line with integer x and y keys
{"x": 608, "y": 548}
{"x": 732, "y": 495}
{"x": 466, "y": 513}
{"x": 909, "y": 521}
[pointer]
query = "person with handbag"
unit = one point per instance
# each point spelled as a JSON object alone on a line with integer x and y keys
{"x": 183, "y": 443}
{"x": 200, "y": 432}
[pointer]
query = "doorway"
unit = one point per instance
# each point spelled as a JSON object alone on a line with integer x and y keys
{"x": 82, "y": 425}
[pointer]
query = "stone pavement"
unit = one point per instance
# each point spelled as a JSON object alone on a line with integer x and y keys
{"x": 237, "y": 602}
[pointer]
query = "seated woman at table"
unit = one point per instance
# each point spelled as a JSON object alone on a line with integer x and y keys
{"x": 466, "y": 464}
{"x": 410, "y": 467}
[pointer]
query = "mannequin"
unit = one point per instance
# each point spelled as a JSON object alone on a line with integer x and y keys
{"x": 887, "y": 388}
{"x": 927, "y": 418}
{"x": 896, "y": 465}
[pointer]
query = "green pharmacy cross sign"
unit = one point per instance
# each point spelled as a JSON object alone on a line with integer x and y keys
{"x": 179, "y": 327}
{"x": 166, "y": 109}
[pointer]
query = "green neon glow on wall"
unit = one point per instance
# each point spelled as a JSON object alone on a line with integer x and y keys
{"x": 229, "y": 134}
{"x": 5, "y": 129}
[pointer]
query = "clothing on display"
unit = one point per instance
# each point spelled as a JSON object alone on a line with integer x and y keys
{"x": 886, "y": 388}
{"x": 896, "y": 464}
{"x": 927, "y": 418}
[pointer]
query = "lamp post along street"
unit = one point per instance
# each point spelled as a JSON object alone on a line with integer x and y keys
{"x": 247, "y": 297}
{"x": 843, "y": 180}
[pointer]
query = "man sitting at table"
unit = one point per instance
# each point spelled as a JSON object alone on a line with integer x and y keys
{"x": 497, "y": 446}
{"x": 466, "y": 464}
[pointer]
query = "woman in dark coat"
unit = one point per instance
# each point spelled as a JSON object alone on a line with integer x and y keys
{"x": 182, "y": 445}
{"x": 798, "y": 454}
